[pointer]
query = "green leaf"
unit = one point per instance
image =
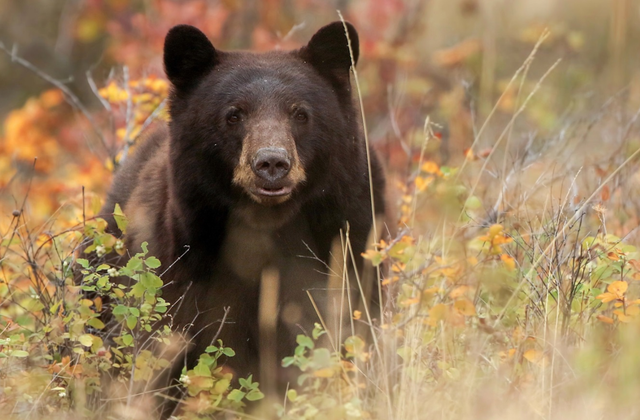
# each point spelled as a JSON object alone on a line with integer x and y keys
{"x": 288, "y": 361}
{"x": 120, "y": 310}
{"x": 84, "y": 263}
{"x": 211, "y": 349}
{"x": 236, "y": 395}
{"x": 202, "y": 369}
{"x": 229, "y": 352}
{"x": 150, "y": 280}
{"x": 255, "y": 395}
{"x": 138, "y": 290}
{"x": 221, "y": 386}
{"x": 132, "y": 321}
{"x": 95, "y": 323}
{"x": 127, "y": 340}
{"x": 121, "y": 219}
{"x": 19, "y": 353}
{"x": 304, "y": 341}
{"x": 317, "y": 331}
{"x": 134, "y": 264}
{"x": 86, "y": 340}
{"x": 292, "y": 394}
{"x": 152, "y": 262}
{"x": 473, "y": 203}
{"x": 321, "y": 358}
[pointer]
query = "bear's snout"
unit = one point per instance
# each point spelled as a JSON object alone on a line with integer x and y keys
{"x": 271, "y": 164}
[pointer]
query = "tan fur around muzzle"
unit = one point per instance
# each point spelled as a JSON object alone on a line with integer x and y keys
{"x": 268, "y": 133}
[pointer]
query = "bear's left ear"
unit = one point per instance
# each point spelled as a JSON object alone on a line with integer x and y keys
{"x": 328, "y": 50}
{"x": 188, "y": 56}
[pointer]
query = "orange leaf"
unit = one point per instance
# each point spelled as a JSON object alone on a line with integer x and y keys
{"x": 635, "y": 264}
{"x": 605, "y": 193}
{"x": 484, "y": 153}
{"x": 622, "y": 317}
{"x": 457, "y": 54}
{"x": 465, "y": 307}
{"x": 469, "y": 155}
{"x": 436, "y": 314}
{"x": 618, "y": 288}
{"x": 606, "y": 297}
{"x": 605, "y": 319}
{"x": 409, "y": 302}
{"x": 495, "y": 230}
{"x": 633, "y": 310}
{"x": 423, "y": 183}
{"x": 534, "y": 356}
{"x": 324, "y": 373}
{"x": 458, "y": 291}
{"x": 509, "y": 262}
{"x": 613, "y": 256}
{"x": 430, "y": 168}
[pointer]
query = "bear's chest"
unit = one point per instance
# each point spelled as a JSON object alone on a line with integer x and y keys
{"x": 247, "y": 251}
{"x": 257, "y": 237}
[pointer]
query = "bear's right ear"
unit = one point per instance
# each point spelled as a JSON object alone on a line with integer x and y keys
{"x": 332, "y": 50}
{"x": 188, "y": 55}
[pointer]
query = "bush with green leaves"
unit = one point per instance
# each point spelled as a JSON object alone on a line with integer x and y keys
{"x": 73, "y": 341}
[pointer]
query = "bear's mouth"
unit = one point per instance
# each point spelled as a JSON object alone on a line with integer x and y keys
{"x": 273, "y": 191}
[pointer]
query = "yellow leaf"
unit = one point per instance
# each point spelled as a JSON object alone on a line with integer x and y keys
{"x": 430, "y": 168}
{"x": 606, "y": 297}
{"x": 458, "y": 291}
{"x": 533, "y": 355}
{"x": 605, "y": 319}
{"x": 409, "y": 302}
{"x": 465, "y": 307}
{"x": 509, "y": 262}
{"x": 633, "y": 310}
{"x": 618, "y": 288}
{"x": 357, "y": 315}
{"x": 423, "y": 183}
{"x": 495, "y": 230}
{"x": 86, "y": 340}
{"x": 324, "y": 373}
{"x": 622, "y": 317}
{"x": 469, "y": 155}
{"x": 436, "y": 314}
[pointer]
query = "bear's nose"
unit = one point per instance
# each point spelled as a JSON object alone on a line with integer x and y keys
{"x": 271, "y": 163}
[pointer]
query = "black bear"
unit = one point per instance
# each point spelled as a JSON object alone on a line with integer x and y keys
{"x": 263, "y": 163}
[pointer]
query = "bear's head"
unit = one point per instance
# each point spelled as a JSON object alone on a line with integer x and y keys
{"x": 266, "y": 128}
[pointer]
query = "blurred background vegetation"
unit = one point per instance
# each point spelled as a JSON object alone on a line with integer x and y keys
{"x": 444, "y": 58}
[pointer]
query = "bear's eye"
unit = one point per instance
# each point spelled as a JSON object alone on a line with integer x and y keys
{"x": 233, "y": 119}
{"x": 300, "y": 116}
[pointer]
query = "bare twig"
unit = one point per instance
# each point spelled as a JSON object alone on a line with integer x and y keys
{"x": 70, "y": 97}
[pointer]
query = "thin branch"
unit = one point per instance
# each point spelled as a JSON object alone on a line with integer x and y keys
{"x": 70, "y": 97}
